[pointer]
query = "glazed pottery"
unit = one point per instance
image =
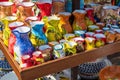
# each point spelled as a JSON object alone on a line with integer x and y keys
{"x": 6, "y": 30}
{"x": 22, "y": 46}
{"x": 90, "y": 14}
{"x": 45, "y": 7}
{"x": 12, "y": 38}
{"x": 37, "y": 36}
{"x": 54, "y": 30}
{"x": 64, "y": 19}
{"x": 25, "y": 10}
{"x": 58, "y": 51}
{"x": 46, "y": 52}
{"x": 89, "y": 43}
{"x": 79, "y": 20}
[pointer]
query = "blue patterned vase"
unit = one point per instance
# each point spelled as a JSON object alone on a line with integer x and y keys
{"x": 22, "y": 46}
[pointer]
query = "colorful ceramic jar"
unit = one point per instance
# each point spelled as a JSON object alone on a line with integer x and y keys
{"x": 80, "y": 44}
{"x": 37, "y": 36}
{"x": 79, "y": 20}
{"x": 100, "y": 39}
{"x": 12, "y": 38}
{"x": 58, "y": 51}
{"x": 64, "y": 19}
{"x": 89, "y": 43}
{"x": 46, "y": 52}
{"x": 22, "y": 46}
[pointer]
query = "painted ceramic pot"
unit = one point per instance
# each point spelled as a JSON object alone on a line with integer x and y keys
{"x": 64, "y": 19}
{"x": 46, "y": 52}
{"x": 45, "y": 7}
{"x": 80, "y": 44}
{"x": 79, "y": 21}
{"x": 25, "y": 10}
{"x": 54, "y": 30}
{"x": 37, "y": 36}
{"x": 58, "y": 51}
{"x": 6, "y": 30}
{"x": 100, "y": 40}
{"x": 2, "y": 10}
{"x": 12, "y": 38}
{"x": 22, "y": 46}
{"x": 89, "y": 43}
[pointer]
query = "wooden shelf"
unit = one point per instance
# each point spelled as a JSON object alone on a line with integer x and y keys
{"x": 59, "y": 64}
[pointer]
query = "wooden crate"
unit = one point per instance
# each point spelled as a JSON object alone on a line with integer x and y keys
{"x": 59, "y": 64}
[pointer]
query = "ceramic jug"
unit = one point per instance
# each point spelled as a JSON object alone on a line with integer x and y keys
{"x": 79, "y": 20}
{"x": 6, "y": 30}
{"x": 37, "y": 36}
{"x": 25, "y": 9}
{"x": 45, "y": 7}
{"x": 12, "y": 38}
{"x": 54, "y": 30}
{"x": 22, "y": 46}
{"x": 64, "y": 19}
{"x": 90, "y": 14}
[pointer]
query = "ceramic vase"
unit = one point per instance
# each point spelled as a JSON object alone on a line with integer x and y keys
{"x": 37, "y": 36}
{"x": 22, "y": 46}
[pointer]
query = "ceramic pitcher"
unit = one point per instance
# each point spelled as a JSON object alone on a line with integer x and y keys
{"x": 22, "y": 46}
{"x": 6, "y": 30}
{"x": 64, "y": 19}
{"x": 38, "y": 37}
{"x": 12, "y": 38}
{"x": 79, "y": 21}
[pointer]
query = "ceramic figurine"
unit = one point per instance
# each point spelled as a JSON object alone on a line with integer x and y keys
{"x": 64, "y": 18}
{"x": 37, "y": 36}
{"x": 12, "y": 38}
{"x": 45, "y": 7}
{"x": 54, "y": 30}
{"x": 6, "y": 30}
{"x": 22, "y": 46}
{"x": 79, "y": 21}
{"x": 89, "y": 43}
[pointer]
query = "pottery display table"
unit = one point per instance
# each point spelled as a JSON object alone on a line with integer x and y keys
{"x": 61, "y": 63}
